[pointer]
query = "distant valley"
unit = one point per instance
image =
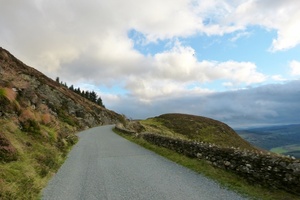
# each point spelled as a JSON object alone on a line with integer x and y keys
{"x": 283, "y": 139}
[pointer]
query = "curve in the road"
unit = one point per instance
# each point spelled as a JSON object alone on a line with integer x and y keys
{"x": 103, "y": 165}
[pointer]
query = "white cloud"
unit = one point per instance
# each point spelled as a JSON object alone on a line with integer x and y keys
{"x": 51, "y": 35}
{"x": 228, "y": 84}
{"x": 240, "y": 72}
{"x": 278, "y": 15}
{"x": 172, "y": 72}
{"x": 180, "y": 64}
{"x": 56, "y": 32}
{"x": 278, "y": 78}
{"x": 240, "y": 35}
{"x": 295, "y": 68}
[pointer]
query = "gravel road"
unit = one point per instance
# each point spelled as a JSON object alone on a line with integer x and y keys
{"x": 103, "y": 165}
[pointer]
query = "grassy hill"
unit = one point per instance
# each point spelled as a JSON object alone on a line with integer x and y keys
{"x": 197, "y": 128}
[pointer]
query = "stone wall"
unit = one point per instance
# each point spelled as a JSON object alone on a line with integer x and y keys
{"x": 270, "y": 170}
{"x": 122, "y": 129}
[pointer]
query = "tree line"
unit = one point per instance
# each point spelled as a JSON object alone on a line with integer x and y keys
{"x": 90, "y": 95}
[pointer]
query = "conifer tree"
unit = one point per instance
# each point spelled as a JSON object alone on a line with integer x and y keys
{"x": 71, "y": 87}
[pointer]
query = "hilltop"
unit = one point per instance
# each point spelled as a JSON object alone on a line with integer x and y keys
{"x": 196, "y": 128}
{"x": 38, "y": 119}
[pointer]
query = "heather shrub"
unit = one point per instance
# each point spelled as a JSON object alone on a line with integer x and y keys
{"x": 31, "y": 126}
{"x": 26, "y": 115}
{"x": 46, "y": 118}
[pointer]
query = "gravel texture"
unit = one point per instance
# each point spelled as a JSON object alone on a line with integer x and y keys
{"x": 103, "y": 165}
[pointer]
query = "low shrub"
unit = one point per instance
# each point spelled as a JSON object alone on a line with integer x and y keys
{"x": 31, "y": 126}
{"x": 7, "y": 150}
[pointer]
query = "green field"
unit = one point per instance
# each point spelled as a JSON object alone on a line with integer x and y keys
{"x": 292, "y": 150}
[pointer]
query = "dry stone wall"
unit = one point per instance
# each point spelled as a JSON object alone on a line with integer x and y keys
{"x": 261, "y": 168}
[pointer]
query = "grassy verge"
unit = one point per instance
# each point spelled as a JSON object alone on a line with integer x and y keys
{"x": 38, "y": 159}
{"x": 225, "y": 178}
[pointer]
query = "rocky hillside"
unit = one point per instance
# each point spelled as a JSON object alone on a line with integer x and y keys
{"x": 196, "y": 128}
{"x": 38, "y": 119}
{"x": 26, "y": 89}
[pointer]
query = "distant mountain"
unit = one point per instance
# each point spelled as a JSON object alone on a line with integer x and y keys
{"x": 284, "y": 139}
{"x": 38, "y": 119}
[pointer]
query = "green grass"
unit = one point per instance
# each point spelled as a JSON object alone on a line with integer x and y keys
{"x": 279, "y": 150}
{"x": 51, "y": 133}
{"x": 292, "y": 150}
{"x": 65, "y": 117}
{"x": 225, "y": 178}
{"x": 38, "y": 159}
{"x": 156, "y": 126}
{"x": 286, "y": 149}
{"x": 2, "y": 92}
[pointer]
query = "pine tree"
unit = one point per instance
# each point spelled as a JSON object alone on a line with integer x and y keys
{"x": 86, "y": 94}
{"x": 99, "y": 102}
{"x": 71, "y": 87}
{"x": 93, "y": 96}
{"x": 78, "y": 91}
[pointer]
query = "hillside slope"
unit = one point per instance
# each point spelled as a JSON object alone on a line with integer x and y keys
{"x": 197, "y": 128}
{"x": 38, "y": 119}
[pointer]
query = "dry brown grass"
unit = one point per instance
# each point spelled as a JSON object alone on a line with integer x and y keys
{"x": 43, "y": 108}
{"x": 46, "y": 118}
{"x": 26, "y": 114}
{"x": 10, "y": 94}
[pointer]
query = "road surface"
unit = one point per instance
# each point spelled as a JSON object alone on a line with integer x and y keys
{"x": 103, "y": 165}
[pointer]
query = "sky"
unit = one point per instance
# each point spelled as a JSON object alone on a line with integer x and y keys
{"x": 237, "y": 61}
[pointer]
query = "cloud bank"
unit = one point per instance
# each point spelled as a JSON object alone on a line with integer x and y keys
{"x": 265, "y": 105}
